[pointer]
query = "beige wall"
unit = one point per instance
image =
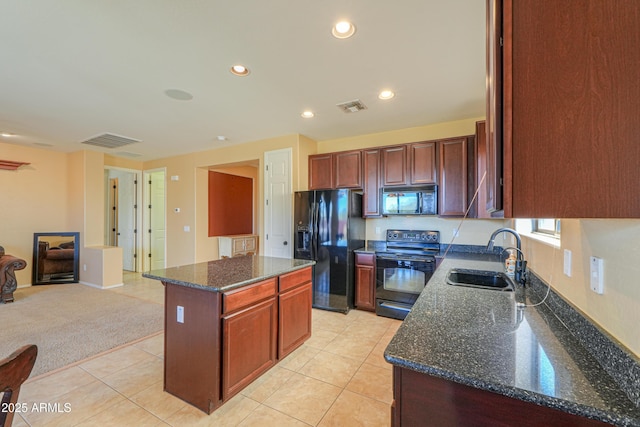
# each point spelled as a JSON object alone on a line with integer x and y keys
{"x": 35, "y": 198}
{"x": 617, "y": 242}
{"x": 401, "y": 136}
{"x": 189, "y": 192}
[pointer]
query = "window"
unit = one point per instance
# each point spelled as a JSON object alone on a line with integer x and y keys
{"x": 548, "y": 226}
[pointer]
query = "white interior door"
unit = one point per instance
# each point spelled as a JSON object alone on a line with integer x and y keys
{"x": 155, "y": 220}
{"x": 122, "y": 215}
{"x": 278, "y": 213}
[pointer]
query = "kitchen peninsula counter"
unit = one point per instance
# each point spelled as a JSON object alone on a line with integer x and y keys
{"x": 229, "y": 321}
{"x": 474, "y": 354}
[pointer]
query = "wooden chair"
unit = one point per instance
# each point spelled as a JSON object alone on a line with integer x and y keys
{"x": 14, "y": 370}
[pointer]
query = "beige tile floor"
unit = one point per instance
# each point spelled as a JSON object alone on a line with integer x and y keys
{"x": 337, "y": 378}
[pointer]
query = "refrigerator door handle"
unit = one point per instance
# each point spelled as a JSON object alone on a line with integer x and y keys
{"x": 314, "y": 231}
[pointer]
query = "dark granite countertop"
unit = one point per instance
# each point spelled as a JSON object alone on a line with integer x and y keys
{"x": 229, "y": 273}
{"x": 480, "y": 338}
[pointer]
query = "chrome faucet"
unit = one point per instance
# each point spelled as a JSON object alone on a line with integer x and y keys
{"x": 521, "y": 264}
{"x": 492, "y": 239}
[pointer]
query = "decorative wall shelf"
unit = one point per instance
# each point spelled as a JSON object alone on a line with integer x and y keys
{"x": 11, "y": 165}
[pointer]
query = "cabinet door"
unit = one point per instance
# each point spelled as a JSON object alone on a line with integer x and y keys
{"x": 494, "y": 150}
{"x": 251, "y": 244}
{"x": 481, "y": 175}
{"x": 294, "y": 318}
{"x": 249, "y": 341}
{"x": 237, "y": 246}
{"x": 453, "y": 177}
{"x": 422, "y": 163}
{"x": 348, "y": 169}
{"x": 365, "y": 282}
{"x": 321, "y": 172}
{"x": 394, "y": 165}
{"x": 371, "y": 197}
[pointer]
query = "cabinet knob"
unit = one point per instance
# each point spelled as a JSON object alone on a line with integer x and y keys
{"x": 285, "y": 243}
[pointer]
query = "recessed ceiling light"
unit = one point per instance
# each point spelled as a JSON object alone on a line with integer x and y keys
{"x": 178, "y": 94}
{"x": 240, "y": 70}
{"x": 222, "y": 138}
{"x": 343, "y": 30}
{"x": 386, "y": 94}
{"x": 307, "y": 114}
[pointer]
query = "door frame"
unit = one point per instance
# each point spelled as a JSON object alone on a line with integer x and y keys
{"x": 138, "y": 239}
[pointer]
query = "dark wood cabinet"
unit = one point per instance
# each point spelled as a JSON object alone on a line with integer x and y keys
{"x": 371, "y": 187}
{"x": 422, "y": 163}
{"x": 321, "y": 172}
{"x": 453, "y": 192}
{"x": 493, "y": 199}
{"x": 480, "y": 204}
{"x": 394, "y": 165}
{"x": 335, "y": 170}
{"x": 294, "y": 319}
{"x": 365, "y": 281}
{"x": 423, "y": 400}
{"x": 222, "y": 341}
{"x": 348, "y": 169}
{"x": 249, "y": 340}
{"x": 570, "y": 109}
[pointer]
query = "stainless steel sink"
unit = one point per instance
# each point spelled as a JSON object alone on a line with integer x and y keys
{"x": 483, "y": 279}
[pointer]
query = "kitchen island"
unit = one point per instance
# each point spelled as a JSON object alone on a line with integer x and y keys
{"x": 229, "y": 321}
{"x": 467, "y": 356}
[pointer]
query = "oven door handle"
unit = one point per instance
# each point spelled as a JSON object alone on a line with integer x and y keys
{"x": 394, "y": 307}
{"x": 427, "y": 260}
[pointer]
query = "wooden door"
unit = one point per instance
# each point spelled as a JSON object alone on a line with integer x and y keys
{"x": 348, "y": 169}
{"x": 422, "y": 163}
{"x": 294, "y": 318}
{"x": 321, "y": 172}
{"x": 365, "y": 282}
{"x": 453, "y": 177}
{"x": 249, "y": 341}
{"x": 371, "y": 169}
{"x": 394, "y": 165}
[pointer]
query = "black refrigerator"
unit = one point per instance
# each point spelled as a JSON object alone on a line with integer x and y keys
{"x": 328, "y": 228}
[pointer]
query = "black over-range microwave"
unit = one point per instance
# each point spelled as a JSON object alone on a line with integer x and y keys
{"x": 410, "y": 200}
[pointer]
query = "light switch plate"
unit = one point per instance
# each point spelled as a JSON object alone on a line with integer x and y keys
{"x": 597, "y": 274}
{"x": 567, "y": 262}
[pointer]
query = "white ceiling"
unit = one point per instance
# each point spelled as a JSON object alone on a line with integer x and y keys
{"x": 74, "y": 69}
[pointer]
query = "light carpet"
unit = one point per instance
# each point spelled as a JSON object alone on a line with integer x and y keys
{"x": 71, "y": 322}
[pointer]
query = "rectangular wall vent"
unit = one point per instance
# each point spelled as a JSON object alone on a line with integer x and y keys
{"x": 109, "y": 140}
{"x": 352, "y": 106}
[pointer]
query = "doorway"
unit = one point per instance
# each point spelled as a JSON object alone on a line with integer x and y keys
{"x": 122, "y": 215}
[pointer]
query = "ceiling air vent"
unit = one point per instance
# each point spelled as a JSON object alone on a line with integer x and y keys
{"x": 352, "y": 106}
{"x": 109, "y": 140}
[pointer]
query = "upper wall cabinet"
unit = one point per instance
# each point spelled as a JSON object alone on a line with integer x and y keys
{"x": 321, "y": 172}
{"x": 456, "y": 176}
{"x": 394, "y": 165}
{"x": 569, "y": 120}
{"x": 422, "y": 163}
{"x": 335, "y": 170}
{"x": 371, "y": 169}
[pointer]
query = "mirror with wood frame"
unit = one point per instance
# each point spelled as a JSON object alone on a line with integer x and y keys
{"x": 55, "y": 258}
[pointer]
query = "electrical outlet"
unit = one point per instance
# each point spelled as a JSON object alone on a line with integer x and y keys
{"x": 180, "y": 314}
{"x": 187, "y": 228}
{"x": 597, "y": 274}
{"x": 567, "y": 262}
{"x": 84, "y": 267}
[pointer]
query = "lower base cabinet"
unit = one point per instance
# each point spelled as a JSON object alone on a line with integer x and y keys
{"x": 423, "y": 400}
{"x": 365, "y": 281}
{"x": 218, "y": 343}
{"x": 249, "y": 340}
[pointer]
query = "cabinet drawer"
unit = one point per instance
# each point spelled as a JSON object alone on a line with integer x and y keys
{"x": 243, "y": 297}
{"x": 365, "y": 259}
{"x": 293, "y": 279}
